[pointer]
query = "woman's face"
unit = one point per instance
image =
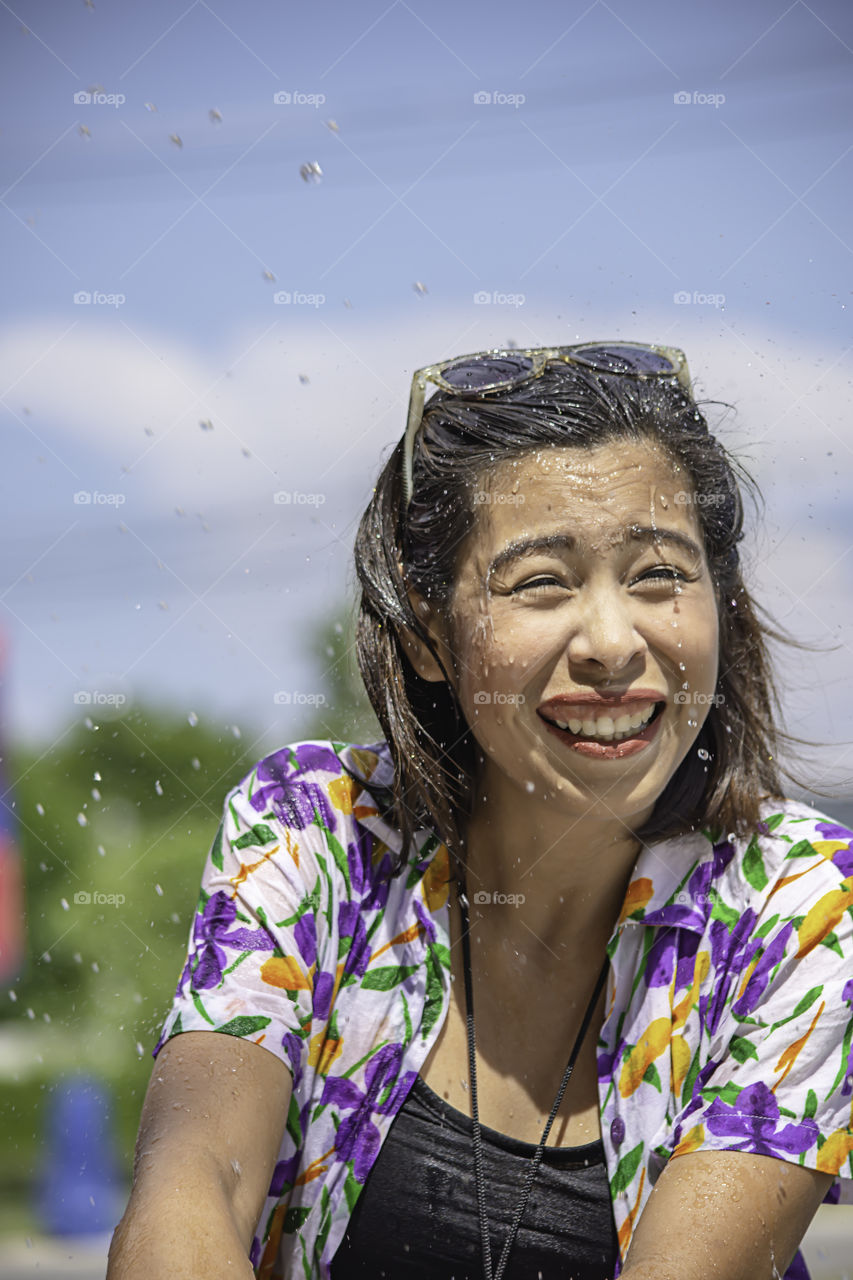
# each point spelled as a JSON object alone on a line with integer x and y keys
{"x": 583, "y": 597}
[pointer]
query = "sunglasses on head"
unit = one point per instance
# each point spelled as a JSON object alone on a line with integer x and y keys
{"x": 486, "y": 372}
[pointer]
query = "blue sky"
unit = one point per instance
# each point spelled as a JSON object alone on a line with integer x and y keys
{"x": 666, "y": 174}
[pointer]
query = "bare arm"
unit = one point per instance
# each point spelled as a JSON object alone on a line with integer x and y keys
{"x": 724, "y": 1215}
{"x": 211, "y": 1128}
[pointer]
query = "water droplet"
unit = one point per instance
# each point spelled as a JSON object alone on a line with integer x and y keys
{"x": 140, "y": 1049}
{"x": 13, "y": 996}
{"x": 703, "y": 754}
{"x": 692, "y": 722}
{"x": 158, "y": 889}
{"x": 63, "y": 902}
{"x": 95, "y": 968}
{"x": 192, "y": 718}
{"x": 102, "y": 851}
{"x": 311, "y": 172}
{"x": 681, "y": 666}
{"x": 96, "y": 795}
{"x": 214, "y": 116}
{"x": 82, "y": 820}
{"x": 205, "y": 424}
{"x": 40, "y": 809}
{"x": 176, "y": 138}
{"x": 158, "y": 787}
{"x": 195, "y": 762}
{"x": 529, "y": 786}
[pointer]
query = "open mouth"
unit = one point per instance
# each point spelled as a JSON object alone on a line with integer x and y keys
{"x": 606, "y": 731}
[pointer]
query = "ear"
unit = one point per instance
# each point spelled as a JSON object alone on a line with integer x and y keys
{"x": 416, "y": 651}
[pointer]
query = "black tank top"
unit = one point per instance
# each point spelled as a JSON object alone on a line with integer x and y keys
{"x": 416, "y": 1217}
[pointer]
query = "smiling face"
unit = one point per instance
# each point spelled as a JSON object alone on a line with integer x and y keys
{"x": 583, "y": 598}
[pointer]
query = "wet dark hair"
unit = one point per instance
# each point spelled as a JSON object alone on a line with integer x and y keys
{"x": 731, "y": 766}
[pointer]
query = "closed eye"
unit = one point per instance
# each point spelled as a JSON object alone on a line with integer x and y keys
{"x": 536, "y": 584}
{"x": 663, "y": 573}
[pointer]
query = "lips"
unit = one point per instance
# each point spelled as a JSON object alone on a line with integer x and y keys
{"x": 609, "y": 727}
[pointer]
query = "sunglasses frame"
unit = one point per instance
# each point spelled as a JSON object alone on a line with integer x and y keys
{"x": 540, "y": 356}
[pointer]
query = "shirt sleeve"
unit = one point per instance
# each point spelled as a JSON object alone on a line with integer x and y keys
{"x": 252, "y": 948}
{"x": 781, "y": 1083}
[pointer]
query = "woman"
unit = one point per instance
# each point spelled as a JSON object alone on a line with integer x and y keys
{"x": 575, "y": 827}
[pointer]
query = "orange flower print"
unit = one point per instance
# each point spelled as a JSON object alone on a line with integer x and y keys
{"x": 650, "y": 1045}
{"x": 286, "y": 972}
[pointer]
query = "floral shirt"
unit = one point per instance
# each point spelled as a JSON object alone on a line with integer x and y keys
{"x": 729, "y": 1001}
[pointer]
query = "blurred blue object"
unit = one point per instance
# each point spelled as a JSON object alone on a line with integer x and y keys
{"x": 80, "y": 1190}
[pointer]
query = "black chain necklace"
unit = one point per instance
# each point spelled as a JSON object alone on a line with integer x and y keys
{"x": 472, "y": 1070}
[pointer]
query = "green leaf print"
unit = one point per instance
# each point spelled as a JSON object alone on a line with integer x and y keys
{"x": 244, "y": 1026}
{"x": 388, "y": 976}
{"x": 720, "y": 911}
{"x": 293, "y": 1120}
{"x": 294, "y": 1218}
{"x": 741, "y": 1048}
{"x": 258, "y": 835}
{"x": 831, "y": 941}
{"x": 434, "y": 994}
{"x": 651, "y": 1077}
{"x": 753, "y": 866}
{"x": 198, "y": 1004}
{"x": 802, "y": 849}
{"x": 687, "y": 1088}
{"x": 352, "y": 1188}
{"x": 808, "y": 1000}
{"x": 216, "y": 851}
{"x": 625, "y": 1170}
{"x": 339, "y": 856}
{"x": 811, "y": 1105}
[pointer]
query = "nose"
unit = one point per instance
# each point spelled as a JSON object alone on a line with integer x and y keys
{"x": 604, "y": 632}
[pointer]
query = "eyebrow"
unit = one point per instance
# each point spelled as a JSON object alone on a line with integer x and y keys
{"x": 568, "y": 542}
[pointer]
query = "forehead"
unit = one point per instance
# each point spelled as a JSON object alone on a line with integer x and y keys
{"x": 595, "y": 494}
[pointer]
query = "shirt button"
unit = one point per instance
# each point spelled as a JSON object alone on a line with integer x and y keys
{"x": 617, "y": 1131}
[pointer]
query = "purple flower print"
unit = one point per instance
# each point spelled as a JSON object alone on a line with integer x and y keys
{"x": 295, "y": 802}
{"x": 210, "y": 936}
{"x": 842, "y": 858}
{"x": 358, "y": 1139}
{"x": 754, "y": 1124}
{"x": 760, "y": 977}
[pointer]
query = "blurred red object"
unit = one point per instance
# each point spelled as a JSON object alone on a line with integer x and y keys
{"x": 11, "y": 875}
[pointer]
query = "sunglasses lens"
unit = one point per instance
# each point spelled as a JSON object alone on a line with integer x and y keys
{"x": 616, "y": 359}
{"x": 488, "y": 371}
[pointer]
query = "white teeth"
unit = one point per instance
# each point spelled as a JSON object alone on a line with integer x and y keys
{"x": 608, "y": 729}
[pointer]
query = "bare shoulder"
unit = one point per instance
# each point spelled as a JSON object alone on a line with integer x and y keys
{"x": 742, "y": 1214}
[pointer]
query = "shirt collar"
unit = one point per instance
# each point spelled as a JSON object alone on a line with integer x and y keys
{"x": 671, "y": 881}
